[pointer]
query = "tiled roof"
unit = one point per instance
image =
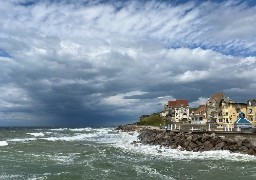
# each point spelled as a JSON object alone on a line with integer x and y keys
{"x": 217, "y": 96}
{"x": 178, "y": 103}
{"x": 201, "y": 109}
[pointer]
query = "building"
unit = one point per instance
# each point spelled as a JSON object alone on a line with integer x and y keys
{"x": 198, "y": 115}
{"x": 229, "y": 112}
{"x": 251, "y": 111}
{"x": 212, "y": 107}
{"x": 242, "y": 122}
{"x": 224, "y": 111}
{"x": 177, "y": 111}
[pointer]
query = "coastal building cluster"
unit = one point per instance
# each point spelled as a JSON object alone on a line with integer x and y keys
{"x": 219, "y": 110}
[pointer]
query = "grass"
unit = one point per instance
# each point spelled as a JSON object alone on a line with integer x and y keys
{"x": 153, "y": 120}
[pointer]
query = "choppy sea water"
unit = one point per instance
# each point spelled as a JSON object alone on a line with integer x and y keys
{"x": 108, "y": 154}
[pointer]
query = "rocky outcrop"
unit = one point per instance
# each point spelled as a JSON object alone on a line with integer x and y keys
{"x": 195, "y": 142}
{"x": 130, "y": 128}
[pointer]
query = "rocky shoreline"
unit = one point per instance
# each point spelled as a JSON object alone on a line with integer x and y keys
{"x": 191, "y": 142}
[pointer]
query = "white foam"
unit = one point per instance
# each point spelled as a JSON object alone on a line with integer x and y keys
{"x": 81, "y": 129}
{"x": 152, "y": 172}
{"x": 125, "y": 139}
{"x": 3, "y": 143}
{"x": 48, "y": 133}
{"x": 76, "y": 137}
{"x": 59, "y": 129}
{"x": 63, "y": 159}
{"x": 7, "y": 176}
{"x": 40, "y": 134}
{"x": 22, "y": 140}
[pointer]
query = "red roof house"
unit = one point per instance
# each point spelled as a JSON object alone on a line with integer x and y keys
{"x": 178, "y": 103}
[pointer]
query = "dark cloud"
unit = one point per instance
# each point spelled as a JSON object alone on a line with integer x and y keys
{"x": 94, "y": 63}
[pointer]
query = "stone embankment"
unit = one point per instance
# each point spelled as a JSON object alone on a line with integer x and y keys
{"x": 192, "y": 142}
{"x": 195, "y": 142}
{"x": 129, "y": 128}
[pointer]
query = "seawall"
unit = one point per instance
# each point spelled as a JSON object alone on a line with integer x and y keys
{"x": 239, "y": 142}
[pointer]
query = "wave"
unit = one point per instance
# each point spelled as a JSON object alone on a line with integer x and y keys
{"x": 81, "y": 129}
{"x": 126, "y": 139}
{"x": 59, "y": 129}
{"x": 77, "y": 137}
{"x": 40, "y": 134}
{"x": 3, "y": 143}
{"x": 22, "y": 139}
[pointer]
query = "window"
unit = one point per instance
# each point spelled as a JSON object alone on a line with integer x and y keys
{"x": 226, "y": 113}
{"x": 200, "y": 118}
{"x": 227, "y": 120}
{"x": 220, "y": 120}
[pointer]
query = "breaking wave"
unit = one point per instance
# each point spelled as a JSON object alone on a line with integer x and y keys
{"x": 123, "y": 141}
{"x": 3, "y": 143}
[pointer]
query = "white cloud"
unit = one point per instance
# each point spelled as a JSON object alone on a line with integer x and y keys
{"x": 115, "y": 54}
{"x": 198, "y": 102}
{"x": 122, "y": 99}
{"x": 13, "y": 97}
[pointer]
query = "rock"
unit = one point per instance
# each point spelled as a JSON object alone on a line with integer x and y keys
{"x": 196, "y": 149}
{"x": 192, "y": 142}
{"x": 192, "y": 145}
{"x": 189, "y": 138}
{"x": 199, "y": 143}
{"x": 219, "y": 146}
{"x": 208, "y": 146}
{"x": 212, "y": 135}
{"x": 251, "y": 151}
{"x": 243, "y": 149}
{"x": 246, "y": 142}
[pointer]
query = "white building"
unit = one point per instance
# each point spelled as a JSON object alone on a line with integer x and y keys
{"x": 177, "y": 110}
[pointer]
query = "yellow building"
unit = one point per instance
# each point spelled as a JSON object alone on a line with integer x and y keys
{"x": 229, "y": 112}
{"x": 251, "y": 111}
{"x": 224, "y": 112}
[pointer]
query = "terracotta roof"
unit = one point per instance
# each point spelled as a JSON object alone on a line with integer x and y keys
{"x": 178, "y": 103}
{"x": 217, "y": 96}
{"x": 201, "y": 109}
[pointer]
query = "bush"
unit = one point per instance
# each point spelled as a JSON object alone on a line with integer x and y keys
{"x": 152, "y": 120}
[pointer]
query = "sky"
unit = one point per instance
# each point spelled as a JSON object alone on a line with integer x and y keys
{"x": 77, "y": 63}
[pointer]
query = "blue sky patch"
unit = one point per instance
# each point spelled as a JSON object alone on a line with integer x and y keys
{"x": 3, "y": 53}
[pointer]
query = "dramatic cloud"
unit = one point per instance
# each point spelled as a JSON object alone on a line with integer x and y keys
{"x": 86, "y": 63}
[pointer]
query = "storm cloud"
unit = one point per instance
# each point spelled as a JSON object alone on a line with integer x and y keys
{"x": 88, "y": 63}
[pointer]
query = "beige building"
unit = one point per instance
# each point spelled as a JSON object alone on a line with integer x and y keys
{"x": 229, "y": 112}
{"x": 198, "y": 115}
{"x": 213, "y": 108}
{"x": 224, "y": 112}
{"x": 251, "y": 111}
{"x": 177, "y": 111}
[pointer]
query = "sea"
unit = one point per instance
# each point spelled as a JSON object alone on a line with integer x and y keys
{"x": 105, "y": 153}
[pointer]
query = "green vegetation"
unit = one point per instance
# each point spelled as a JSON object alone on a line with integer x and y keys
{"x": 152, "y": 120}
